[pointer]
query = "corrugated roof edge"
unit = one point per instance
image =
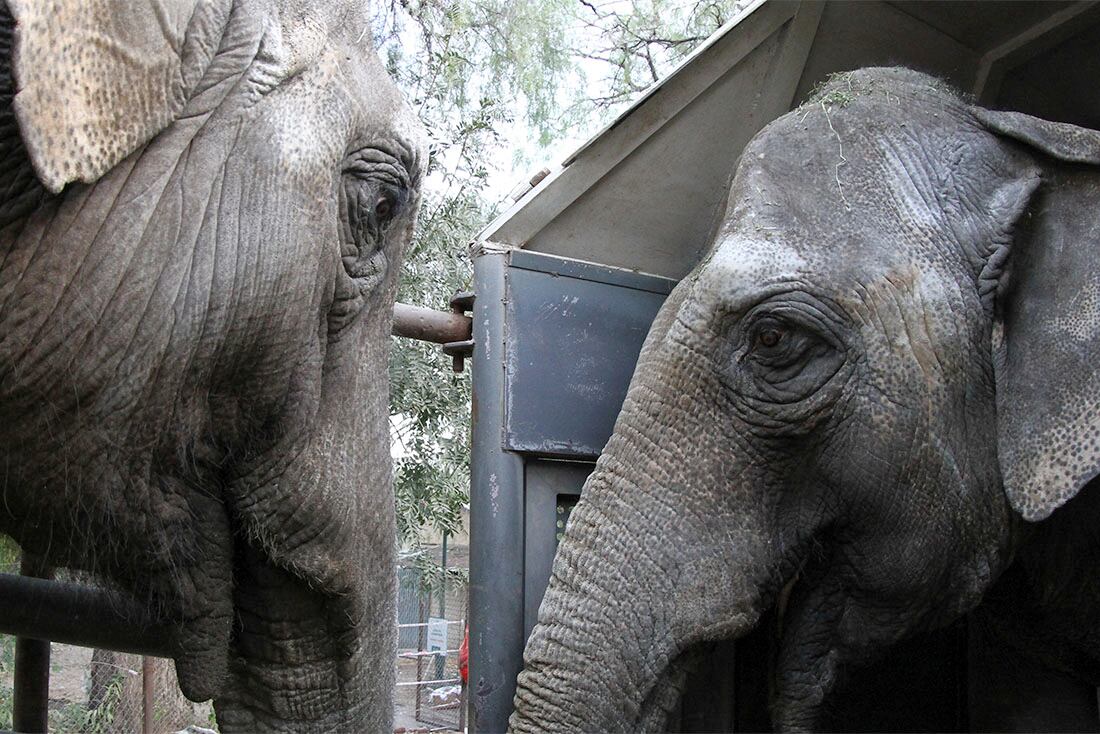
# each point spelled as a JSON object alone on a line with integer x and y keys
{"x": 612, "y": 274}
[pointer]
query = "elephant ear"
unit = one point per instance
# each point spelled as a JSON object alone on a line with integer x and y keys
{"x": 1047, "y": 334}
{"x": 97, "y": 79}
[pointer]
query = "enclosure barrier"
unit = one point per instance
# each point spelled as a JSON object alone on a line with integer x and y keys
{"x": 429, "y": 325}
{"x": 75, "y": 614}
{"x": 32, "y": 667}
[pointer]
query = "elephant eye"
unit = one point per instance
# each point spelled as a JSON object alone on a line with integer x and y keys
{"x": 384, "y": 208}
{"x": 389, "y": 201}
{"x": 769, "y": 337}
{"x": 775, "y": 342}
{"x": 784, "y": 350}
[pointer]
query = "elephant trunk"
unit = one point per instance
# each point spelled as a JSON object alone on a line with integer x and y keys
{"x": 672, "y": 544}
{"x": 611, "y": 650}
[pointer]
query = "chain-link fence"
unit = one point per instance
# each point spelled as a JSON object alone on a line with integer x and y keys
{"x": 101, "y": 691}
{"x": 431, "y": 695}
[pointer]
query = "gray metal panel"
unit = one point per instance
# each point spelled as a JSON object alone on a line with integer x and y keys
{"x": 496, "y": 518}
{"x": 573, "y": 339}
{"x": 593, "y": 272}
{"x": 545, "y": 481}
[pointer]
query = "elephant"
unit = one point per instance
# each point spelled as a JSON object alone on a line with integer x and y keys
{"x": 205, "y": 205}
{"x": 873, "y": 404}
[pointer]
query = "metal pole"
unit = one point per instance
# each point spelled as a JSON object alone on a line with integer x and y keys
{"x": 443, "y": 585}
{"x": 80, "y": 615}
{"x": 441, "y": 660}
{"x": 425, "y": 611}
{"x": 496, "y": 516}
{"x": 146, "y": 695}
{"x": 425, "y": 324}
{"x": 30, "y": 710}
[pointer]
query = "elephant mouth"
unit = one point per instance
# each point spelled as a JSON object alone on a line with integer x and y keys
{"x": 664, "y": 697}
{"x": 698, "y": 671}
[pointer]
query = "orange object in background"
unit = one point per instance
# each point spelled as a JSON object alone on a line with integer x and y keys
{"x": 464, "y": 657}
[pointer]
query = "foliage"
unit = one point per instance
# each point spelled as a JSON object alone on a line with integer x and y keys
{"x": 71, "y": 717}
{"x": 9, "y": 555}
{"x": 7, "y": 698}
{"x": 642, "y": 40}
{"x": 9, "y": 563}
{"x": 479, "y": 61}
{"x": 486, "y": 76}
{"x": 74, "y": 717}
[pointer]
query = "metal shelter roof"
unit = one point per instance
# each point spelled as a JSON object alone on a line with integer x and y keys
{"x": 643, "y": 194}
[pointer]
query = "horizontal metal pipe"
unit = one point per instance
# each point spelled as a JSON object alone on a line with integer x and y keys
{"x": 80, "y": 615}
{"x": 425, "y": 324}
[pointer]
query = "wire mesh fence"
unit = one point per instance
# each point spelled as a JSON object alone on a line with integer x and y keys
{"x": 431, "y": 695}
{"x": 101, "y": 692}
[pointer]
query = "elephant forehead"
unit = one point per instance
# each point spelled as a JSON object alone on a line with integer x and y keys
{"x": 305, "y": 125}
{"x": 752, "y": 259}
{"x": 742, "y": 271}
{"x": 863, "y": 219}
{"x": 334, "y": 108}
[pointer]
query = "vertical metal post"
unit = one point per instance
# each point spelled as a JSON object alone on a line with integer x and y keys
{"x": 443, "y": 585}
{"x": 146, "y": 695}
{"x": 424, "y": 611}
{"x": 441, "y": 660}
{"x": 496, "y": 513}
{"x": 30, "y": 708}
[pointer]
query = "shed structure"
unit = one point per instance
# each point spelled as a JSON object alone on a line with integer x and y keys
{"x": 569, "y": 278}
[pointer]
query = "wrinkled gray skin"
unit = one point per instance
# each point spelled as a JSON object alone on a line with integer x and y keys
{"x": 866, "y": 401}
{"x": 204, "y": 208}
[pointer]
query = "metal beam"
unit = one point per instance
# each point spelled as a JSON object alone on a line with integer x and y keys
{"x": 80, "y": 615}
{"x": 496, "y": 516}
{"x": 1028, "y": 44}
{"x": 425, "y": 324}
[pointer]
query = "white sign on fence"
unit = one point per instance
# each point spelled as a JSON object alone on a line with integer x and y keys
{"x": 437, "y": 635}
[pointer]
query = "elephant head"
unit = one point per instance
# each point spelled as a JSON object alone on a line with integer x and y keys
{"x": 205, "y": 204}
{"x": 850, "y": 413}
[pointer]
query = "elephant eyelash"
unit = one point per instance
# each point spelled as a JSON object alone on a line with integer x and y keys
{"x": 776, "y": 343}
{"x": 790, "y": 350}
